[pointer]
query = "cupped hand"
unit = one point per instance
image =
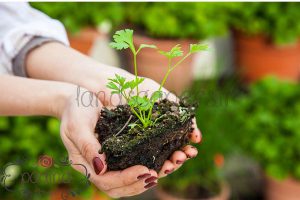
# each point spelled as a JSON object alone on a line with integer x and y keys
{"x": 78, "y": 120}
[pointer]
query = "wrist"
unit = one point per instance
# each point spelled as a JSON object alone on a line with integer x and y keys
{"x": 63, "y": 94}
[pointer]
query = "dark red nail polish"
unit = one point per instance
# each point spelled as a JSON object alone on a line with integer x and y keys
{"x": 98, "y": 165}
{"x": 169, "y": 171}
{"x": 151, "y": 179}
{"x": 179, "y": 162}
{"x": 150, "y": 185}
{"x": 140, "y": 177}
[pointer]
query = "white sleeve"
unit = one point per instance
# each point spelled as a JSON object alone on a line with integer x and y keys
{"x": 18, "y": 25}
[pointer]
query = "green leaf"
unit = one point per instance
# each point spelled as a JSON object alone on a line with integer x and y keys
{"x": 142, "y": 103}
{"x": 146, "y": 46}
{"x": 194, "y": 48}
{"x": 120, "y": 79}
{"x": 112, "y": 86}
{"x": 174, "y": 52}
{"x": 123, "y": 39}
{"x": 156, "y": 95}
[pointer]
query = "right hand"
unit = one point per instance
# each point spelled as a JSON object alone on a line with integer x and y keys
{"x": 77, "y": 132}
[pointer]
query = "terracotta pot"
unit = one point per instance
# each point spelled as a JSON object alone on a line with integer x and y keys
{"x": 153, "y": 65}
{"x": 288, "y": 189}
{"x": 257, "y": 57}
{"x": 83, "y": 40}
{"x": 64, "y": 193}
{"x": 224, "y": 194}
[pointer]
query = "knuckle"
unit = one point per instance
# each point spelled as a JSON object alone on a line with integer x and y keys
{"x": 86, "y": 149}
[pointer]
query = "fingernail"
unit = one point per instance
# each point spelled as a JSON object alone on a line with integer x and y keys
{"x": 179, "y": 162}
{"x": 143, "y": 176}
{"x": 169, "y": 171}
{"x": 150, "y": 185}
{"x": 151, "y": 179}
{"x": 98, "y": 165}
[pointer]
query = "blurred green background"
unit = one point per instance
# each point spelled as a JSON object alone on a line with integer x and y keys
{"x": 249, "y": 101}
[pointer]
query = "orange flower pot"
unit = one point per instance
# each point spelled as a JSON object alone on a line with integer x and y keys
{"x": 83, "y": 41}
{"x": 288, "y": 189}
{"x": 257, "y": 57}
{"x": 153, "y": 65}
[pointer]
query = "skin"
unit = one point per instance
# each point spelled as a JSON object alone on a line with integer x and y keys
{"x": 56, "y": 62}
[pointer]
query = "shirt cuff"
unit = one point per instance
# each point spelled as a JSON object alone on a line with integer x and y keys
{"x": 18, "y": 63}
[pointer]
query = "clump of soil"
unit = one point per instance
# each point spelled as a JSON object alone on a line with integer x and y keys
{"x": 136, "y": 145}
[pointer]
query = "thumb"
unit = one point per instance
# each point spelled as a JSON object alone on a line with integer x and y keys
{"x": 89, "y": 147}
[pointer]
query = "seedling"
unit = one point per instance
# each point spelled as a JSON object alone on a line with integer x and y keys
{"x": 142, "y": 106}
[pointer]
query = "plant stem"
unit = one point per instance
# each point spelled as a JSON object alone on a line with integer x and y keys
{"x": 136, "y": 73}
{"x": 179, "y": 62}
{"x": 166, "y": 76}
{"x": 141, "y": 119}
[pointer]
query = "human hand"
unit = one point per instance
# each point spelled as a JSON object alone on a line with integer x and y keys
{"x": 78, "y": 121}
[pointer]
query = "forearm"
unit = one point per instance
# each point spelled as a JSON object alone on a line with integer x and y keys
{"x": 54, "y": 61}
{"x": 21, "y": 96}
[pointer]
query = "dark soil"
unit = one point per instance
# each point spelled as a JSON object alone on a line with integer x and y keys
{"x": 139, "y": 146}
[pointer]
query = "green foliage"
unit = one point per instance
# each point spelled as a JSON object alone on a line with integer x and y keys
{"x": 268, "y": 126}
{"x": 279, "y": 20}
{"x": 142, "y": 106}
{"x": 178, "y": 19}
{"x": 123, "y": 39}
{"x": 76, "y": 15}
{"x": 28, "y": 138}
{"x": 212, "y": 118}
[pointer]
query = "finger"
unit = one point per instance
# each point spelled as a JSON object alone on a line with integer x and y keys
{"x": 135, "y": 188}
{"x": 196, "y": 135}
{"x": 81, "y": 165}
{"x": 167, "y": 168}
{"x": 88, "y": 146}
{"x": 178, "y": 158}
{"x": 116, "y": 179}
{"x": 190, "y": 151}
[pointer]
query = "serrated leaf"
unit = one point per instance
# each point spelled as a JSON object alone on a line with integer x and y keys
{"x": 146, "y": 46}
{"x": 156, "y": 95}
{"x": 123, "y": 39}
{"x": 194, "y": 48}
{"x": 174, "y": 52}
{"x": 112, "y": 86}
{"x": 121, "y": 80}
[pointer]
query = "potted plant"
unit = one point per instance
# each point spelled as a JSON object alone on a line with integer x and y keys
{"x": 143, "y": 131}
{"x": 92, "y": 20}
{"x": 268, "y": 118}
{"x": 266, "y": 37}
{"x": 168, "y": 24}
{"x": 32, "y": 167}
{"x": 203, "y": 177}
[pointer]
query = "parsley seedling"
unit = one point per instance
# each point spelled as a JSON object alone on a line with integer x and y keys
{"x": 142, "y": 106}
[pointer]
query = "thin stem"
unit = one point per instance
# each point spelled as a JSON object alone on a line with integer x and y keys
{"x": 179, "y": 62}
{"x": 141, "y": 119}
{"x": 136, "y": 73}
{"x": 120, "y": 131}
